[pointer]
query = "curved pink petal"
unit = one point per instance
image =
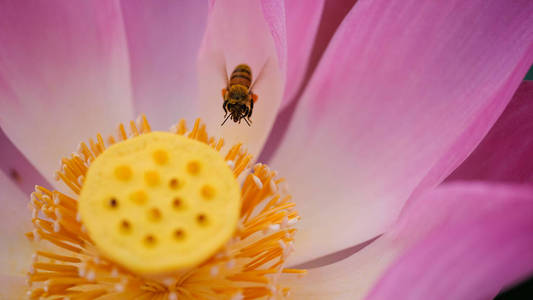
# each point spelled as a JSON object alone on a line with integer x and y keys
{"x": 163, "y": 41}
{"x": 19, "y": 170}
{"x": 303, "y": 18}
{"x": 274, "y": 13}
{"x": 471, "y": 260}
{"x": 437, "y": 232}
{"x": 64, "y": 75}
{"x": 15, "y": 252}
{"x": 506, "y": 153}
{"x": 333, "y": 12}
{"x": 250, "y": 32}
{"x": 403, "y": 93}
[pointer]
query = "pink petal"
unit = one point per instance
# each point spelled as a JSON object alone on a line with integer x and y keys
{"x": 250, "y": 32}
{"x": 333, "y": 12}
{"x": 274, "y": 14}
{"x": 64, "y": 75}
{"x": 19, "y": 170}
{"x": 474, "y": 259}
{"x": 473, "y": 229}
{"x": 506, "y": 153}
{"x": 15, "y": 252}
{"x": 404, "y": 92}
{"x": 163, "y": 39}
{"x": 13, "y": 287}
{"x": 303, "y": 18}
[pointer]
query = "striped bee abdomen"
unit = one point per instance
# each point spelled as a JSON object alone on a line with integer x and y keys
{"x": 238, "y": 97}
{"x": 242, "y": 74}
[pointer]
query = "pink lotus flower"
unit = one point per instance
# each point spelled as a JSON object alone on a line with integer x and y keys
{"x": 389, "y": 139}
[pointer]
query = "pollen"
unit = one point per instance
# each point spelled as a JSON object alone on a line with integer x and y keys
{"x": 162, "y": 215}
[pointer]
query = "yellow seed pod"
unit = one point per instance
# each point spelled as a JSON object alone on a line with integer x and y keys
{"x": 159, "y": 202}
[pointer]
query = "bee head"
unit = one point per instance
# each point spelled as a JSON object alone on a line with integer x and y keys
{"x": 237, "y": 111}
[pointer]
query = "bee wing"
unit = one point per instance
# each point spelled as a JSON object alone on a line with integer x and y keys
{"x": 218, "y": 61}
{"x": 259, "y": 75}
{"x": 225, "y": 71}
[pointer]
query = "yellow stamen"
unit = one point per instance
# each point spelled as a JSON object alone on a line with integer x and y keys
{"x": 73, "y": 263}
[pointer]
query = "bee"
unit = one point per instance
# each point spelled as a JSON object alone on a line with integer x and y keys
{"x": 238, "y": 96}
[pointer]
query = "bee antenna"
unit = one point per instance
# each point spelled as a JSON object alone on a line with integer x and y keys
{"x": 225, "y": 120}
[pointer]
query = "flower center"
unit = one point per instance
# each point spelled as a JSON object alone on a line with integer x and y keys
{"x": 159, "y": 202}
{"x": 158, "y": 215}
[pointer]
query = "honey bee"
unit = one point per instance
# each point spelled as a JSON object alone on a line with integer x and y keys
{"x": 238, "y": 96}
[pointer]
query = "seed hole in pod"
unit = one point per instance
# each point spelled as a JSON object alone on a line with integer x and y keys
{"x": 154, "y": 214}
{"x": 125, "y": 226}
{"x": 177, "y": 203}
{"x": 179, "y": 234}
{"x": 123, "y": 173}
{"x": 113, "y": 202}
{"x": 151, "y": 178}
{"x": 174, "y": 183}
{"x": 201, "y": 219}
{"x": 149, "y": 240}
{"x": 193, "y": 167}
{"x": 139, "y": 197}
{"x": 160, "y": 157}
{"x": 208, "y": 192}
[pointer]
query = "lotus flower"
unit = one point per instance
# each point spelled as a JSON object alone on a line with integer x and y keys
{"x": 405, "y": 147}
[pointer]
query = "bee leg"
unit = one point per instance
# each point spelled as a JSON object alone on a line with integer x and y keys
{"x": 251, "y": 110}
{"x": 224, "y": 107}
{"x": 247, "y": 114}
{"x": 224, "y": 90}
{"x": 254, "y": 98}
